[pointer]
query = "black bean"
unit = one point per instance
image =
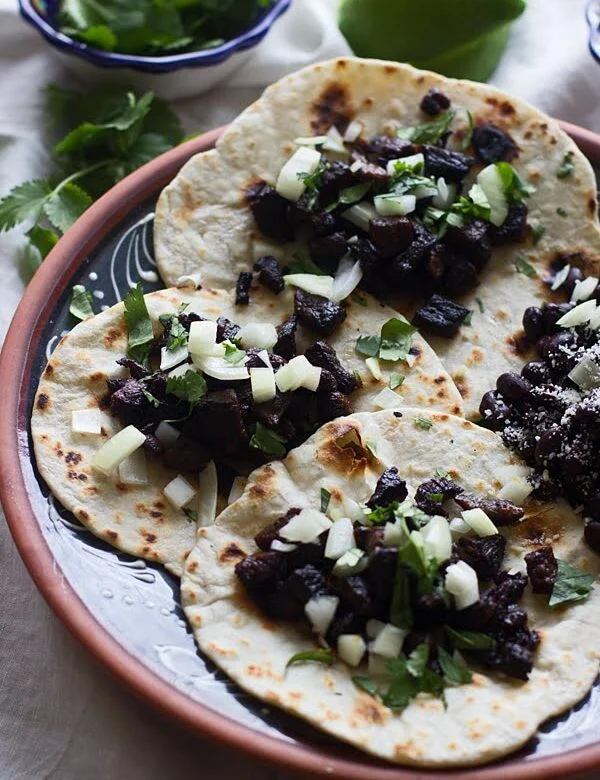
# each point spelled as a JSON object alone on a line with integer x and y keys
{"x": 434, "y": 101}
{"x": 592, "y": 534}
{"x": 552, "y": 312}
{"x": 536, "y": 372}
{"x": 492, "y": 144}
{"x": 575, "y": 275}
{"x": 533, "y": 323}
{"x": 494, "y": 411}
{"x": 513, "y": 387}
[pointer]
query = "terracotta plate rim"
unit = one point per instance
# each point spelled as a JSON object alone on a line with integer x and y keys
{"x": 15, "y": 367}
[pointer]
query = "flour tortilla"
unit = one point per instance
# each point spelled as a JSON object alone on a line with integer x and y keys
{"x": 203, "y": 224}
{"x": 138, "y": 520}
{"x": 486, "y": 719}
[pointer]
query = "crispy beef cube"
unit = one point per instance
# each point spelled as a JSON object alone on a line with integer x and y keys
{"x": 460, "y": 277}
{"x": 323, "y": 223}
{"x": 327, "y": 250}
{"x": 281, "y": 604}
{"x": 353, "y": 593}
{"x": 471, "y": 242}
{"x": 390, "y": 487}
{"x": 452, "y": 166}
{"x": 322, "y": 355}
{"x": 157, "y": 385}
{"x": 112, "y": 385}
{"x": 370, "y": 261}
{"x": 130, "y": 405}
{"x": 509, "y": 588}
{"x": 226, "y": 329}
{"x": 186, "y": 455}
{"x": 435, "y": 266}
{"x": 305, "y": 583}
{"x": 510, "y": 619}
{"x": 430, "y": 495}
{"x": 479, "y": 616}
{"x": 270, "y": 211}
{"x": 242, "y": 288}
{"x": 499, "y": 511}
{"x": 269, "y": 273}
{"x": 152, "y": 445}
{"x": 318, "y": 314}
{"x": 254, "y": 361}
{"x": 311, "y": 552}
{"x": 513, "y": 659}
{"x": 336, "y": 176}
{"x": 414, "y": 259}
{"x": 440, "y": 316}
{"x": 137, "y": 370}
{"x": 344, "y": 622}
{"x": 485, "y": 555}
{"x": 384, "y": 148}
{"x": 391, "y": 235}
{"x": 271, "y": 413}
{"x": 514, "y": 228}
{"x": 303, "y": 410}
{"x": 286, "y": 341}
{"x": 267, "y": 535}
{"x": 434, "y": 101}
{"x": 217, "y": 421}
{"x": 185, "y": 320}
{"x": 327, "y": 383}
{"x": 259, "y": 569}
{"x": 370, "y": 171}
{"x": 333, "y": 405}
{"x": 542, "y": 569}
{"x": 368, "y": 539}
{"x": 429, "y": 610}
{"x": 491, "y": 144}
{"x": 380, "y": 577}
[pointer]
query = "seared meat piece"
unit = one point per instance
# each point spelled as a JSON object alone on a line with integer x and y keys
{"x": 336, "y": 177}
{"x": 186, "y": 320}
{"x": 286, "y": 342}
{"x": 186, "y": 455}
{"x": 509, "y": 588}
{"x": 492, "y": 144}
{"x": 259, "y": 569}
{"x": 322, "y": 355}
{"x": 306, "y": 582}
{"x": 271, "y": 413}
{"x": 129, "y": 404}
{"x": 390, "y": 487}
{"x": 429, "y": 610}
{"x": 254, "y": 361}
{"x": 270, "y": 211}
{"x": 267, "y": 536}
{"x": 384, "y": 148}
{"x": 226, "y": 329}
{"x": 327, "y": 383}
{"x": 137, "y": 370}
{"x": 441, "y": 316}
{"x": 391, "y": 235}
{"x": 217, "y": 421}
{"x": 352, "y": 591}
{"x": 370, "y": 171}
{"x": 333, "y": 405}
{"x": 412, "y": 261}
{"x": 470, "y": 242}
{"x": 485, "y": 555}
{"x": 434, "y": 102}
{"x": 269, "y": 273}
{"x": 513, "y": 229}
{"x": 380, "y": 577}
{"x": 452, "y": 166}
{"x": 430, "y": 495}
{"x": 323, "y": 223}
{"x": 370, "y": 262}
{"x": 460, "y": 276}
{"x": 368, "y": 539}
{"x": 512, "y": 658}
{"x": 327, "y": 250}
{"x": 242, "y": 288}
{"x": 542, "y": 569}
{"x": 345, "y": 621}
{"x": 499, "y": 511}
{"x": 318, "y": 314}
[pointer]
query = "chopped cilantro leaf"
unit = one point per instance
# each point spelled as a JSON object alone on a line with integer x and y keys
{"x": 325, "y": 499}
{"x": 152, "y": 399}
{"x": 537, "y": 233}
{"x": 302, "y": 264}
{"x": 312, "y": 182}
{"x": 428, "y": 132}
{"x": 566, "y": 167}
{"x": 353, "y": 194}
{"x": 366, "y": 684}
{"x": 480, "y": 304}
{"x": 396, "y": 380}
{"x": 470, "y": 640}
{"x": 191, "y": 386}
{"x": 437, "y": 498}
{"x": 177, "y": 334}
{"x": 562, "y": 212}
{"x": 267, "y": 441}
{"x": 515, "y": 189}
{"x": 468, "y": 319}
{"x": 401, "y": 614}
{"x": 454, "y": 670}
{"x": 191, "y": 514}
{"x": 468, "y": 136}
{"x": 232, "y": 353}
{"x": 358, "y": 377}
{"x": 139, "y": 325}
{"x": 523, "y": 266}
{"x": 441, "y": 472}
{"x": 382, "y": 514}
{"x": 423, "y": 422}
{"x": 396, "y": 339}
{"x": 368, "y": 345}
{"x": 81, "y": 302}
{"x": 571, "y": 585}
{"x": 319, "y": 656}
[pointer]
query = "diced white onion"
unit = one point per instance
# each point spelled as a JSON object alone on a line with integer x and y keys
{"x": 351, "y": 562}
{"x": 458, "y": 527}
{"x": 263, "y": 249}
{"x": 372, "y": 364}
{"x": 357, "y": 165}
{"x": 179, "y": 492}
{"x": 353, "y": 510}
{"x": 298, "y": 373}
{"x": 311, "y": 283}
{"x": 594, "y": 322}
{"x": 561, "y": 277}
{"x": 353, "y": 131}
{"x": 334, "y": 142}
{"x": 181, "y": 371}
{"x": 584, "y": 289}
{"x": 351, "y": 648}
{"x": 387, "y": 399}
{"x": 461, "y": 582}
{"x": 335, "y": 508}
{"x": 516, "y": 490}
{"x": 437, "y": 538}
{"x": 310, "y": 140}
{"x": 133, "y": 470}
{"x": 347, "y": 278}
{"x": 208, "y": 492}
{"x": 479, "y": 522}
{"x": 490, "y": 181}
{"x": 393, "y": 534}
{"x": 257, "y": 334}
{"x": 394, "y": 205}
{"x": 262, "y": 382}
{"x": 237, "y": 488}
{"x": 360, "y": 215}
{"x": 586, "y": 373}
{"x": 388, "y": 642}
{"x": 193, "y": 280}
{"x": 424, "y": 191}
{"x": 578, "y": 316}
{"x": 446, "y": 195}
{"x": 86, "y": 421}
{"x": 203, "y": 338}
{"x": 166, "y": 434}
{"x": 414, "y": 161}
{"x": 290, "y": 184}
{"x": 120, "y": 446}
{"x": 171, "y": 358}
{"x": 320, "y": 611}
{"x": 306, "y": 526}
{"x": 221, "y": 369}
{"x": 284, "y": 547}
{"x": 340, "y": 539}
{"x": 410, "y": 360}
{"x": 264, "y": 356}
{"x": 374, "y": 627}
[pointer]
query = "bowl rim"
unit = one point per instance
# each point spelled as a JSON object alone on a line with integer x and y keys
{"x": 16, "y": 361}
{"x": 159, "y": 64}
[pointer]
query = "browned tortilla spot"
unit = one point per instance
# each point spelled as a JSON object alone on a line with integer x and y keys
{"x": 155, "y": 513}
{"x": 111, "y": 335}
{"x": 456, "y": 410}
{"x": 517, "y": 343}
{"x": 491, "y": 101}
{"x": 43, "y": 401}
{"x": 192, "y": 567}
{"x": 231, "y": 552}
{"x": 341, "y": 64}
{"x": 439, "y": 380}
{"x": 370, "y": 711}
{"x": 122, "y": 487}
{"x": 332, "y": 107}
{"x": 112, "y": 535}
{"x": 97, "y": 376}
{"x": 82, "y": 477}
{"x": 49, "y": 370}
{"x": 73, "y": 457}
{"x": 591, "y": 204}
{"x": 506, "y": 108}
{"x": 441, "y": 393}
{"x": 72, "y": 474}
{"x": 462, "y": 385}
{"x": 150, "y": 538}
{"x": 477, "y": 356}
{"x": 528, "y": 135}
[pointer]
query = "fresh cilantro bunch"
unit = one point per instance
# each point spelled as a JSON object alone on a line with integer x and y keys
{"x": 106, "y": 134}
{"x": 154, "y": 27}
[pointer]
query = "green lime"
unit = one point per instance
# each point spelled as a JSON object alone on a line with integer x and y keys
{"x": 460, "y": 38}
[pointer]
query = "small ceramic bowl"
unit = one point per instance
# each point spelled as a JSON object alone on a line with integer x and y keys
{"x": 171, "y": 76}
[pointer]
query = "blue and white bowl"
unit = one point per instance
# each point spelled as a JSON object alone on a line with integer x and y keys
{"x": 170, "y": 76}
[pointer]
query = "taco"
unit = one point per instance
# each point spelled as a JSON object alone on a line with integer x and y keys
{"x": 175, "y": 423}
{"x": 460, "y": 203}
{"x": 375, "y": 584}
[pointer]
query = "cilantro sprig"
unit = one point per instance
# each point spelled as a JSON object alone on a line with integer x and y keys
{"x": 571, "y": 585}
{"x": 393, "y": 343}
{"x": 106, "y": 134}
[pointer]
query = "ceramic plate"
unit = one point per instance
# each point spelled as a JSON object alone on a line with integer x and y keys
{"x": 126, "y": 611}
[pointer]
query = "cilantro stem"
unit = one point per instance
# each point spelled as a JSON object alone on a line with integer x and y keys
{"x": 79, "y": 175}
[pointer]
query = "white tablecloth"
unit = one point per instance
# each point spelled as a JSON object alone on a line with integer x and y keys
{"x": 61, "y": 716}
